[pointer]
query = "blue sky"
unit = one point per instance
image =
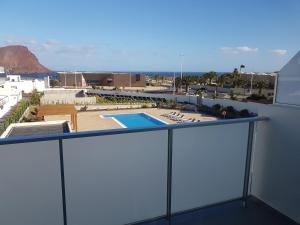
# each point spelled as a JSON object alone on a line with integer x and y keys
{"x": 150, "y": 35}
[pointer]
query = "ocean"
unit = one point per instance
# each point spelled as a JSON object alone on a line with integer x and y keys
{"x": 54, "y": 75}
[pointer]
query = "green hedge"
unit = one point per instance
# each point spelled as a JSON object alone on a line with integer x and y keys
{"x": 225, "y": 112}
{"x": 16, "y": 115}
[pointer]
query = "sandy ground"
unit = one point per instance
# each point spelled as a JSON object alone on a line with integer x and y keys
{"x": 91, "y": 120}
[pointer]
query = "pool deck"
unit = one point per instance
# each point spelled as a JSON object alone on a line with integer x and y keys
{"x": 91, "y": 120}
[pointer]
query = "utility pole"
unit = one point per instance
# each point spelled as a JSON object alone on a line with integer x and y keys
{"x": 174, "y": 85}
{"x": 75, "y": 80}
{"x": 251, "y": 86}
{"x": 65, "y": 79}
{"x": 130, "y": 79}
{"x": 181, "y": 69}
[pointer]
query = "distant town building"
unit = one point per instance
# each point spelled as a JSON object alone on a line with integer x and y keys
{"x": 269, "y": 77}
{"x": 26, "y": 86}
{"x": 84, "y": 79}
{"x": 2, "y": 70}
{"x": 9, "y": 97}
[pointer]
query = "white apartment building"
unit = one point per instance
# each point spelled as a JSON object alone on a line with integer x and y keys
{"x": 27, "y": 86}
{"x": 2, "y": 71}
{"x": 12, "y": 87}
{"x": 9, "y": 97}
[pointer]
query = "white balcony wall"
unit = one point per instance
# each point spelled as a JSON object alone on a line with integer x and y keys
{"x": 276, "y": 155}
{"x": 116, "y": 179}
{"x": 30, "y": 184}
{"x": 276, "y": 159}
{"x": 208, "y": 165}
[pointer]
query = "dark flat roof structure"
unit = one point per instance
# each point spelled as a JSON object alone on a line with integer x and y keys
{"x": 38, "y": 130}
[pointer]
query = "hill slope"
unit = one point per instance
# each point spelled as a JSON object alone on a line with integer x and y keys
{"x": 17, "y": 59}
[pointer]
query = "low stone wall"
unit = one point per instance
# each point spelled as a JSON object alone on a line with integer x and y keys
{"x": 56, "y": 99}
{"x": 113, "y": 107}
{"x": 62, "y": 96}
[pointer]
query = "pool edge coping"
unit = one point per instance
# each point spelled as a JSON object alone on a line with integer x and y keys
{"x": 111, "y": 116}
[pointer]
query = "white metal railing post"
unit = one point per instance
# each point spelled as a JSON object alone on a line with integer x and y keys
{"x": 248, "y": 163}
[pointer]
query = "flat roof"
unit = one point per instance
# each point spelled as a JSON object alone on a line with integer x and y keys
{"x": 90, "y": 72}
{"x": 36, "y": 128}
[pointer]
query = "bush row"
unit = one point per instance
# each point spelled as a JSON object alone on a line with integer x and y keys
{"x": 115, "y": 100}
{"x": 16, "y": 115}
{"x": 228, "y": 112}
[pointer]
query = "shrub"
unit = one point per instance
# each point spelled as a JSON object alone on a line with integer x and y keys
{"x": 216, "y": 108}
{"x": 256, "y": 97}
{"x": 17, "y": 113}
{"x": 35, "y": 98}
{"x": 116, "y": 89}
{"x": 204, "y": 108}
{"x": 244, "y": 113}
{"x": 84, "y": 108}
{"x": 99, "y": 99}
{"x": 54, "y": 83}
{"x": 232, "y": 96}
{"x": 230, "y": 112}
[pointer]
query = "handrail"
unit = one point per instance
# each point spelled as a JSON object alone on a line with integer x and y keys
{"x": 127, "y": 130}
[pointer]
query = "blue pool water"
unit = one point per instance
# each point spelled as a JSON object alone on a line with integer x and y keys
{"x": 136, "y": 120}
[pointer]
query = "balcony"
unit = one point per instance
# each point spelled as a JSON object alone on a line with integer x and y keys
{"x": 200, "y": 173}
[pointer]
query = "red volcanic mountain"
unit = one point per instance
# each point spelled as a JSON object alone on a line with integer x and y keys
{"x": 17, "y": 59}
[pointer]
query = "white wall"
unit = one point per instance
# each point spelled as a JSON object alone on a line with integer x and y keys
{"x": 5, "y": 106}
{"x": 66, "y": 96}
{"x": 13, "y": 97}
{"x": 276, "y": 176}
{"x": 276, "y": 159}
{"x": 208, "y": 165}
{"x": 27, "y": 86}
{"x": 116, "y": 179}
{"x": 30, "y": 187}
{"x": 288, "y": 83}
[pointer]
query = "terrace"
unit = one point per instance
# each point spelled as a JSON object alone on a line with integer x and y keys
{"x": 199, "y": 173}
{"x": 91, "y": 120}
{"x": 235, "y": 171}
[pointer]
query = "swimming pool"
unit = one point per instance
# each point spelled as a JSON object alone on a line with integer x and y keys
{"x": 135, "y": 120}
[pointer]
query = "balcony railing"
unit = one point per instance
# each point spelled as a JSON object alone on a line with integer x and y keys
{"x": 3, "y": 100}
{"x": 124, "y": 176}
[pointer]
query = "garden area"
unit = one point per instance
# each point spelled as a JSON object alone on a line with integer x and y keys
{"x": 227, "y": 112}
{"x": 17, "y": 113}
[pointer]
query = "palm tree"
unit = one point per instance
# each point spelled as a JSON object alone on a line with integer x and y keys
{"x": 221, "y": 80}
{"x": 210, "y": 76}
{"x": 187, "y": 81}
{"x": 235, "y": 76}
{"x": 260, "y": 84}
{"x": 178, "y": 83}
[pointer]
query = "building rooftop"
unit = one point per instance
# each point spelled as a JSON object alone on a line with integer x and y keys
{"x": 36, "y": 128}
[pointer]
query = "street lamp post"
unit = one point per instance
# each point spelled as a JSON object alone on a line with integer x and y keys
{"x": 181, "y": 69}
{"x": 65, "y": 79}
{"x": 251, "y": 85}
{"x": 130, "y": 79}
{"x": 75, "y": 80}
{"x": 174, "y": 85}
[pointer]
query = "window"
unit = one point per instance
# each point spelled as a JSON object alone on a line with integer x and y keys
{"x": 137, "y": 77}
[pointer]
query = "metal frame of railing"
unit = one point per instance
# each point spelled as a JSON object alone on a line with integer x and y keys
{"x": 169, "y": 128}
{"x": 4, "y": 100}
